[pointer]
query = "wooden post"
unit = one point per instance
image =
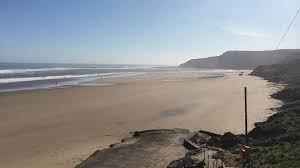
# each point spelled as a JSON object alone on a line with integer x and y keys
{"x": 246, "y": 117}
{"x": 208, "y": 161}
{"x": 204, "y": 153}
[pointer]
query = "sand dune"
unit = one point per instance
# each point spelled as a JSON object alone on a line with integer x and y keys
{"x": 59, "y": 127}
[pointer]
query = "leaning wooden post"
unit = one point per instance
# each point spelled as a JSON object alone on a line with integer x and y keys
{"x": 246, "y": 117}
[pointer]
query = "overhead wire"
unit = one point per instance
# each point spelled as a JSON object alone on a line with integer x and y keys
{"x": 286, "y": 31}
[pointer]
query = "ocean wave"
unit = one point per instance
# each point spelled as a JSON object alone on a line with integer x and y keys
{"x": 15, "y": 71}
{"x": 29, "y": 70}
{"x": 104, "y": 75}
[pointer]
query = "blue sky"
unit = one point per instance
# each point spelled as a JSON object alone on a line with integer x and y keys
{"x": 165, "y": 32}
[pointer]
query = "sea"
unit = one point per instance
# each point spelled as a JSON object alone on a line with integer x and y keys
{"x": 30, "y": 76}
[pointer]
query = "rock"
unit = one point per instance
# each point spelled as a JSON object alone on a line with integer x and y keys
{"x": 186, "y": 162}
{"x": 229, "y": 140}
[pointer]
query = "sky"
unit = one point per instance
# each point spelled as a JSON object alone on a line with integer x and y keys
{"x": 154, "y": 32}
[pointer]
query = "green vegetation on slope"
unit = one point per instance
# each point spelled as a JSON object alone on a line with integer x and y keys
{"x": 276, "y": 142}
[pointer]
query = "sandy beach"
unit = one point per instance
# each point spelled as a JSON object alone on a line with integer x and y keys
{"x": 60, "y": 127}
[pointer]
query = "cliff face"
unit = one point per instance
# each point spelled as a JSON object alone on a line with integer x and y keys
{"x": 203, "y": 63}
{"x": 243, "y": 59}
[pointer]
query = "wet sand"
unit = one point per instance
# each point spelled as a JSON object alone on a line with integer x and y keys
{"x": 61, "y": 127}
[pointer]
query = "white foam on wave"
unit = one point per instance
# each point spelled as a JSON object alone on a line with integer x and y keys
{"x": 29, "y": 70}
{"x": 14, "y": 71}
{"x": 103, "y": 75}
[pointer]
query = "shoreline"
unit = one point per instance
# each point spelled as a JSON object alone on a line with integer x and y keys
{"x": 47, "y": 84}
{"x": 89, "y": 81}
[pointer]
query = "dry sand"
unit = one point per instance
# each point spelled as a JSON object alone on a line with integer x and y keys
{"x": 60, "y": 127}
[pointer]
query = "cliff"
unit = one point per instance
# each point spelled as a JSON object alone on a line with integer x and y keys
{"x": 243, "y": 59}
